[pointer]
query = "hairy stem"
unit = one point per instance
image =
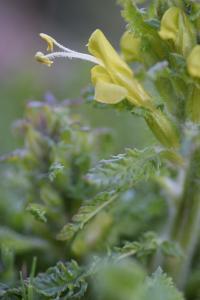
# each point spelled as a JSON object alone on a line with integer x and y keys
{"x": 185, "y": 228}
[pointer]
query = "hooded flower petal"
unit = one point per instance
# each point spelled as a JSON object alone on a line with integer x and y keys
{"x": 100, "y": 47}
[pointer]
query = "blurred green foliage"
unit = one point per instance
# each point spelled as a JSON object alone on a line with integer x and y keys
{"x": 78, "y": 220}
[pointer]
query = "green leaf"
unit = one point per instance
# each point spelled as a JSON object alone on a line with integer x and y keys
{"x": 20, "y": 243}
{"x": 119, "y": 281}
{"x": 136, "y": 20}
{"x": 86, "y": 212}
{"x": 7, "y": 293}
{"x": 159, "y": 286}
{"x": 55, "y": 169}
{"x": 64, "y": 279}
{"x": 147, "y": 245}
{"x": 38, "y": 211}
{"x": 170, "y": 248}
{"x": 123, "y": 171}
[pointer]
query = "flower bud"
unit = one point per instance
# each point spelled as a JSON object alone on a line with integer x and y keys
{"x": 130, "y": 46}
{"x": 193, "y": 62}
{"x": 176, "y": 26}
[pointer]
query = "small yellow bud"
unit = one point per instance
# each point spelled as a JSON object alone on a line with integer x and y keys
{"x": 176, "y": 26}
{"x": 49, "y": 40}
{"x": 193, "y": 62}
{"x": 130, "y": 46}
{"x": 169, "y": 24}
{"x": 41, "y": 58}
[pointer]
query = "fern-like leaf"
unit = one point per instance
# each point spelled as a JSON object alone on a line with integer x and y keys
{"x": 148, "y": 244}
{"x": 159, "y": 286}
{"x": 86, "y": 212}
{"x": 64, "y": 279}
{"x": 123, "y": 171}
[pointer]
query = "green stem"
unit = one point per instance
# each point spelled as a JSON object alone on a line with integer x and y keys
{"x": 185, "y": 229}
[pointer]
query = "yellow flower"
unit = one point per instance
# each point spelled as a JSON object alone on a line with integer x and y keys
{"x": 193, "y": 62}
{"x": 176, "y": 26}
{"x": 130, "y": 46}
{"x": 41, "y": 58}
{"x": 113, "y": 79}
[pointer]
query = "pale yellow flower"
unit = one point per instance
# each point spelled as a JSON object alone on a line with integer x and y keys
{"x": 176, "y": 26}
{"x": 113, "y": 79}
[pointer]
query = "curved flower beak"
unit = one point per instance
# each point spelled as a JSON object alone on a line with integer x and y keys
{"x": 41, "y": 58}
{"x": 193, "y": 62}
{"x": 49, "y": 40}
{"x": 113, "y": 80}
{"x": 176, "y": 26}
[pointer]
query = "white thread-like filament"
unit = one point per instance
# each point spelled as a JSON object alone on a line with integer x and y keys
{"x": 73, "y": 54}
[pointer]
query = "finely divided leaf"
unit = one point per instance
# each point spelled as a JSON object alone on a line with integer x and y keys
{"x": 38, "y": 211}
{"x": 64, "y": 279}
{"x": 86, "y": 212}
{"x": 159, "y": 286}
{"x": 123, "y": 171}
{"x": 148, "y": 244}
{"x": 135, "y": 18}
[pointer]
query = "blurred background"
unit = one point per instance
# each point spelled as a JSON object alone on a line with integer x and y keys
{"x": 22, "y": 79}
